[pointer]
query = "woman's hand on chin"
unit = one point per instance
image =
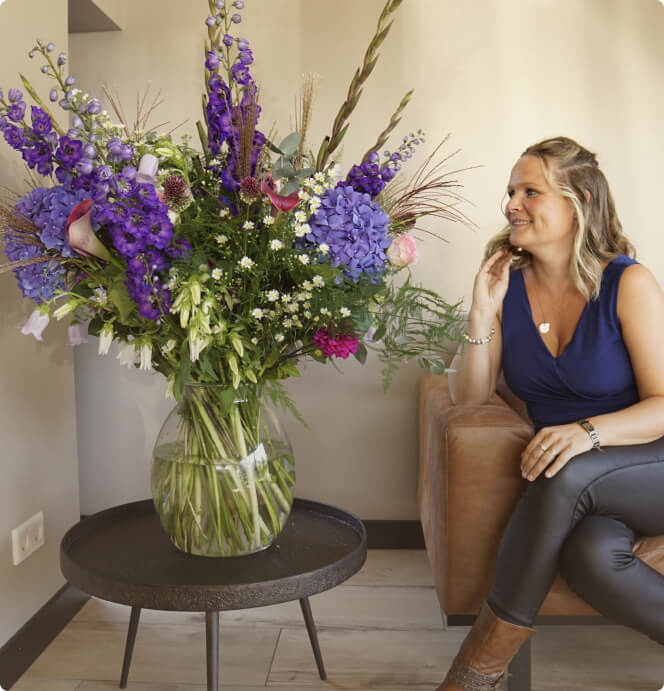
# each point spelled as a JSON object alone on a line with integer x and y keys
{"x": 552, "y": 448}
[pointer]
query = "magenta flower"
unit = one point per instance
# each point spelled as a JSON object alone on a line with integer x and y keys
{"x": 269, "y": 187}
{"x": 79, "y": 233}
{"x": 342, "y": 345}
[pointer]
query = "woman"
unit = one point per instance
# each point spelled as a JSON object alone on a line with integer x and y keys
{"x": 577, "y": 326}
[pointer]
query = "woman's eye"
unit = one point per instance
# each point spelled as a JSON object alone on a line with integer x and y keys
{"x": 531, "y": 192}
{"x": 510, "y": 193}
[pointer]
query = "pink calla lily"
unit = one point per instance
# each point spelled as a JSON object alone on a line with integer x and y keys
{"x": 79, "y": 233}
{"x": 269, "y": 187}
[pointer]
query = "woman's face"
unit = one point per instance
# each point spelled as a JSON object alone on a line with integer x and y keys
{"x": 539, "y": 215}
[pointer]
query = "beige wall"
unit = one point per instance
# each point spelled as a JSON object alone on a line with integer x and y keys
{"x": 497, "y": 74}
{"x": 38, "y": 461}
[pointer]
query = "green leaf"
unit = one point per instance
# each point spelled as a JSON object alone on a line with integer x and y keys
{"x": 361, "y": 353}
{"x": 226, "y": 399}
{"x": 119, "y": 296}
{"x": 290, "y": 187}
{"x": 305, "y": 172}
{"x": 290, "y": 143}
{"x": 288, "y": 369}
{"x": 283, "y": 169}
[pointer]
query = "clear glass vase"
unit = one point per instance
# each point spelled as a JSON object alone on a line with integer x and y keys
{"x": 222, "y": 472}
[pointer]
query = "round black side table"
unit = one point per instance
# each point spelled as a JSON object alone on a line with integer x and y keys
{"x": 123, "y": 555}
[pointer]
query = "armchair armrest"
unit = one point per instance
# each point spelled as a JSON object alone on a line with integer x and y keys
{"x": 469, "y": 483}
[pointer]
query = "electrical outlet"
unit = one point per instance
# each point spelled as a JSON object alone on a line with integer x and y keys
{"x": 27, "y": 538}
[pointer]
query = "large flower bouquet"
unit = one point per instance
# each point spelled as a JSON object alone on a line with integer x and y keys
{"x": 223, "y": 265}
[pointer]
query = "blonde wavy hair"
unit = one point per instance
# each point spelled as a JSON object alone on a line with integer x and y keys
{"x": 599, "y": 236}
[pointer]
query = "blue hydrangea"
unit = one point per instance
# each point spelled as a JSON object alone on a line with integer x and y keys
{"x": 49, "y": 209}
{"x": 37, "y": 281}
{"x": 355, "y": 230}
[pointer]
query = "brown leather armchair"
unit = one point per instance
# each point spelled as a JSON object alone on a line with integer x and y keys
{"x": 469, "y": 483}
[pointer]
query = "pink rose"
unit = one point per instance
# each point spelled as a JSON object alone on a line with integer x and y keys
{"x": 403, "y": 251}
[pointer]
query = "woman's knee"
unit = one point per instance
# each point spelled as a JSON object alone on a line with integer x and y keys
{"x": 596, "y": 553}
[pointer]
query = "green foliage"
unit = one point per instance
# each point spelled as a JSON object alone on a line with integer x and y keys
{"x": 412, "y": 322}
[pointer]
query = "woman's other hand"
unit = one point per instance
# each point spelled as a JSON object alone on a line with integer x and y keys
{"x": 490, "y": 287}
{"x": 552, "y": 448}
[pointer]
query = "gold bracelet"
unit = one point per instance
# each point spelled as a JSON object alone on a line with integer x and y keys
{"x": 479, "y": 341}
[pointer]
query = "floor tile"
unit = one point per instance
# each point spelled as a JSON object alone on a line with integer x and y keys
{"x": 357, "y": 659}
{"x": 408, "y": 567}
{"x": 47, "y": 685}
{"x": 363, "y": 607}
{"x": 163, "y": 653}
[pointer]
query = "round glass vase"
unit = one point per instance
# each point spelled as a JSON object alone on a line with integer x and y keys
{"x": 222, "y": 472}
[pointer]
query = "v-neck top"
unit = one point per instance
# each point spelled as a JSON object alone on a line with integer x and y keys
{"x": 593, "y": 375}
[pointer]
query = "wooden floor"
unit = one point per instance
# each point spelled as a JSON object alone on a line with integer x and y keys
{"x": 380, "y": 630}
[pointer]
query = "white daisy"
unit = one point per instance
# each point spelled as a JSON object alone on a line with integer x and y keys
{"x": 272, "y": 295}
{"x": 246, "y": 263}
{"x": 303, "y": 258}
{"x": 318, "y": 281}
{"x": 257, "y": 313}
{"x": 223, "y": 212}
{"x": 217, "y": 274}
{"x": 268, "y": 220}
{"x": 221, "y": 239}
{"x": 308, "y": 285}
{"x": 345, "y": 312}
{"x": 279, "y": 337}
{"x": 276, "y": 244}
{"x": 248, "y": 225}
{"x": 323, "y": 248}
{"x": 300, "y": 216}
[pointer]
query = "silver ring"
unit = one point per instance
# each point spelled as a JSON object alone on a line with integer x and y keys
{"x": 544, "y": 448}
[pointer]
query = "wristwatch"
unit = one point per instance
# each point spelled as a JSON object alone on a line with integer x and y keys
{"x": 592, "y": 433}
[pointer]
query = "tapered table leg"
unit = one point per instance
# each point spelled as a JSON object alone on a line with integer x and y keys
{"x": 313, "y": 636}
{"x": 129, "y": 645}
{"x": 519, "y": 670}
{"x": 212, "y": 649}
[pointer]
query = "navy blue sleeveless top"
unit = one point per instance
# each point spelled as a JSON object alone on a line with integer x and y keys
{"x": 593, "y": 375}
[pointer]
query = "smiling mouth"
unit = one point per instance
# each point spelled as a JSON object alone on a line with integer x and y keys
{"x": 519, "y": 223}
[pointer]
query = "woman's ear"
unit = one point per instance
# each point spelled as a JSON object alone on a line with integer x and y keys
{"x": 587, "y": 197}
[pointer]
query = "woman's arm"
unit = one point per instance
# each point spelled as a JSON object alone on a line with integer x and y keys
{"x": 476, "y": 366}
{"x": 641, "y": 314}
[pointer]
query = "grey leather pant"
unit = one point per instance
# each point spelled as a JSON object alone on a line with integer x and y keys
{"x": 583, "y": 522}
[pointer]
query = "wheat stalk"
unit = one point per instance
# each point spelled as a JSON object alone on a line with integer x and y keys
{"x": 332, "y": 141}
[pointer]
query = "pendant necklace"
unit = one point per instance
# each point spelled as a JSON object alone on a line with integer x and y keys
{"x": 544, "y": 326}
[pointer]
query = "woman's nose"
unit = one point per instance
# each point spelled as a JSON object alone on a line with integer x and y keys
{"x": 513, "y": 203}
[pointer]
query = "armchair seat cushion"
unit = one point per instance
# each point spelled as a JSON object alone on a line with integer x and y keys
{"x": 469, "y": 483}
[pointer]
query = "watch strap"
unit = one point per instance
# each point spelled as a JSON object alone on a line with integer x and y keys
{"x": 592, "y": 433}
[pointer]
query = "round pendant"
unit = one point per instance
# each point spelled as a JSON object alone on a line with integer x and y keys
{"x": 544, "y": 327}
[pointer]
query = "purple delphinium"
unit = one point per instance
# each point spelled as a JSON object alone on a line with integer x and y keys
{"x": 142, "y": 233}
{"x": 369, "y": 177}
{"x": 355, "y": 230}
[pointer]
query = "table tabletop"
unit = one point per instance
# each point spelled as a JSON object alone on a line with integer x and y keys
{"x": 123, "y": 555}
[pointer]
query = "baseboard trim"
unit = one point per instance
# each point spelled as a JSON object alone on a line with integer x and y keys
{"x": 394, "y": 534}
{"x": 30, "y": 641}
